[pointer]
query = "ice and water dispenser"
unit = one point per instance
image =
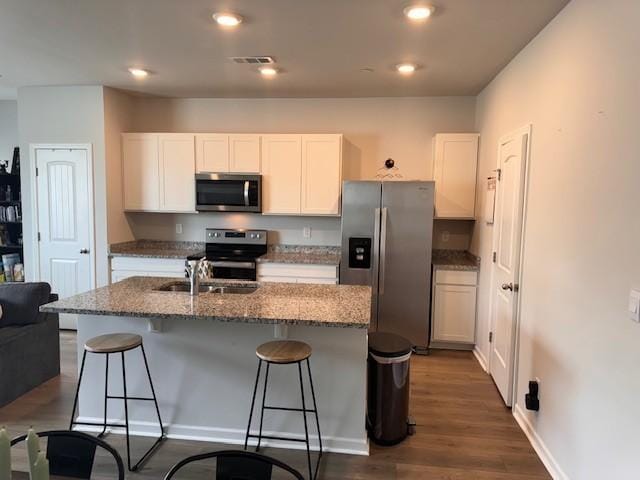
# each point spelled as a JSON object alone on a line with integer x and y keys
{"x": 360, "y": 252}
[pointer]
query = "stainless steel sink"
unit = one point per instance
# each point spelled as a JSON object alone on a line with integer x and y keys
{"x": 204, "y": 288}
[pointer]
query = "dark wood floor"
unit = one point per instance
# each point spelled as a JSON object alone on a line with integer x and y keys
{"x": 464, "y": 430}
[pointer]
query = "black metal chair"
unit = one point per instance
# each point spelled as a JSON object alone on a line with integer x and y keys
{"x": 238, "y": 465}
{"x": 71, "y": 454}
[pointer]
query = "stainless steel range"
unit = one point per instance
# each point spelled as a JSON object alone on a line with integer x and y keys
{"x": 232, "y": 254}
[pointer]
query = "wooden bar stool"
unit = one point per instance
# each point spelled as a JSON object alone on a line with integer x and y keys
{"x": 106, "y": 345}
{"x": 285, "y": 352}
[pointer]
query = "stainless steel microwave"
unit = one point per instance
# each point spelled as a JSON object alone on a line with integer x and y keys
{"x": 217, "y": 192}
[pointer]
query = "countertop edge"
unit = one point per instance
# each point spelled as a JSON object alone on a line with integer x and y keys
{"x": 151, "y": 316}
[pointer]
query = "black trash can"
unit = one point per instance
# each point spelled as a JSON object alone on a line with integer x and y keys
{"x": 388, "y": 388}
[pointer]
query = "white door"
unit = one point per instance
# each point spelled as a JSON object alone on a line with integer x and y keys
{"x": 65, "y": 222}
{"x": 177, "y": 172}
{"x": 244, "y": 153}
{"x": 512, "y": 155}
{"x": 281, "y": 171}
{"x": 321, "y": 174}
{"x": 212, "y": 153}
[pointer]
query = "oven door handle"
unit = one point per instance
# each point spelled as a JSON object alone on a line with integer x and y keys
{"x": 225, "y": 264}
{"x": 246, "y": 193}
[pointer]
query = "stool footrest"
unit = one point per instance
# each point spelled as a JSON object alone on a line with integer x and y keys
{"x": 274, "y": 437}
{"x": 289, "y": 409}
{"x": 130, "y": 398}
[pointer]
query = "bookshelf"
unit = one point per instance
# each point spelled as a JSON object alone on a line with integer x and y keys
{"x": 10, "y": 215}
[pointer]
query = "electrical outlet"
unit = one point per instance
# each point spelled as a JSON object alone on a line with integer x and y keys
{"x": 306, "y": 232}
{"x": 445, "y": 236}
{"x": 634, "y": 305}
{"x": 179, "y": 228}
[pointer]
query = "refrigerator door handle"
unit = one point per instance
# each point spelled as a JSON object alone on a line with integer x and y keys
{"x": 376, "y": 267}
{"x": 383, "y": 249}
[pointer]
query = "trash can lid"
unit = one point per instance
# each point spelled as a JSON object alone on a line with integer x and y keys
{"x": 389, "y": 345}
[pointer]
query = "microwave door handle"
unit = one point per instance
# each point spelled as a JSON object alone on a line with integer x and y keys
{"x": 246, "y": 193}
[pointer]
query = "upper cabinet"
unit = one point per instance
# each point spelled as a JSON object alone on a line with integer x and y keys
{"x": 454, "y": 171}
{"x": 140, "y": 163}
{"x": 301, "y": 174}
{"x": 158, "y": 172}
{"x": 281, "y": 173}
{"x": 224, "y": 153}
{"x": 321, "y": 174}
{"x": 212, "y": 152}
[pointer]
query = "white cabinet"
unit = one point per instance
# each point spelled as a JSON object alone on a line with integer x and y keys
{"x": 177, "y": 173}
{"x": 453, "y": 319}
{"x": 158, "y": 171}
{"x": 321, "y": 174}
{"x": 454, "y": 171}
{"x": 212, "y": 152}
{"x": 301, "y": 174}
{"x": 140, "y": 170}
{"x": 125, "y": 267}
{"x": 244, "y": 153}
{"x": 224, "y": 153}
{"x": 281, "y": 174}
{"x": 297, "y": 273}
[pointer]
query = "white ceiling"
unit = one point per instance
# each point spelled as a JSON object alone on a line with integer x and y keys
{"x": 321, "y": 45}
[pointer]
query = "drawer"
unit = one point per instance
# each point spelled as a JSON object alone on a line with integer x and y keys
{"x": 297, "y": 270}
{"x": 149, "y": 264}
{"x": 456, "y": 277}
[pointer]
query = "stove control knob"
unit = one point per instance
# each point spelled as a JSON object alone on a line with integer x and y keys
{"x": 257, "y": 235}
{"x": 216, "y": 234}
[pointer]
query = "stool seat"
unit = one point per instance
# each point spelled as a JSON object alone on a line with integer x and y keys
{"x": 283, "y": 351}
{"x": 113, "y": 343}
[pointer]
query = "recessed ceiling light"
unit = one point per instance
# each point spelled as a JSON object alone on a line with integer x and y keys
{"x": 268, "y": 71}
{"x": 418, "y": 12}
{"x": 138, "y": 72}
{"x": 406, "y": 68}
{"x": 227, "y": 19}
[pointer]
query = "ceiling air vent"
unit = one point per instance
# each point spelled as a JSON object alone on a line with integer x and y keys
{"x": 254, "y": 60}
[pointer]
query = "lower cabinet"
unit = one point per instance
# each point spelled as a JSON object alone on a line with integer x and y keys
{"x": 297, "y": 273}
{"x": 453, "y": 317}
{"x": 125, "y": 267}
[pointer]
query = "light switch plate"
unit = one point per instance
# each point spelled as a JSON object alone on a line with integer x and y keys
{"x": 634, "y": 305}
{"x": 306, "y": 232}
{"x": 179, "y": 228}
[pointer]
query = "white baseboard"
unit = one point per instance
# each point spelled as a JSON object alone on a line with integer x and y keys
{"x": 351, "y": 446}
{"x": 538, "y": 445}
{"x": 481, "y": 359}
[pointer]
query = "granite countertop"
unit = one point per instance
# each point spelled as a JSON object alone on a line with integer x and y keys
{"x": 346, "y": 306}
{"x": 309, "y": 255}
{"x": 156, "y": 249}
{"x": 455, "y": 260}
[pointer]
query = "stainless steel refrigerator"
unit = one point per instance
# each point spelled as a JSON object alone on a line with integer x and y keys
{"x": 387, "y": 230}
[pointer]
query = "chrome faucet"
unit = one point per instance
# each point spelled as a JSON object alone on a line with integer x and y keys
{"x": 193, "y": 272}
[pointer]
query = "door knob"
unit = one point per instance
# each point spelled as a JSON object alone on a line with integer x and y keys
{"x": 84, "y": 251}
{"x": 507, "y": 286}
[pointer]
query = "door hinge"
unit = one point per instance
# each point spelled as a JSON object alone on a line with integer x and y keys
{"x": 38, "y": 236}
{"x": 37, "y": 172}
{"x": 499, "y": 173}
{"x": 490, "y": 337}
{"x": 495, "y": 256}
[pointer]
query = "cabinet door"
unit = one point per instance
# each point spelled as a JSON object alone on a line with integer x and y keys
{"x": 454, "y": 171}
{"x": 321, "y": 174}
{"x": 212, "y": 153}
{"x": 281, "y": 171}
{"x": 244, "y": 153}
{"x": 140, "y": 171}
{"x": 454, "y": 314}
{"x": 177, "y": 172}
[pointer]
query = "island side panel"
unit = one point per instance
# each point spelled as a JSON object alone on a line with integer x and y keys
{"x": 204, "y": 372}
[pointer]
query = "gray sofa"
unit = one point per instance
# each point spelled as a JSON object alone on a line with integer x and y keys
{"x": 29, "y": 339}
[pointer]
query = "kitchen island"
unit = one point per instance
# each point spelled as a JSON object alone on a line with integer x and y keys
{"x": 201, "y": 352}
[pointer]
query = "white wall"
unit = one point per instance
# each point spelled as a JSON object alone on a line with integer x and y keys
{"x": 577, "y": 84}
{"x": 8, "y": 128}
{"x": 374, "y": 128}
{"x": 64, "y": 115}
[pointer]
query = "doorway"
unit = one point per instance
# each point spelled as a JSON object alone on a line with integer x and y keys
{"x": 511, "y": 175}
{"x": 65, "y": 253}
